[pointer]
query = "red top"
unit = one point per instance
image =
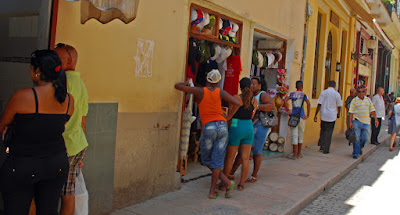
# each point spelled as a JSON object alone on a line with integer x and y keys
{"x": 234, "y": 67}
{"x": 210, "y": 106}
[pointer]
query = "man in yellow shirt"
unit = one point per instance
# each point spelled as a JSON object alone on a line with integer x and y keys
{"x": 74, "y": 134}
{"x": 360, "y": 109}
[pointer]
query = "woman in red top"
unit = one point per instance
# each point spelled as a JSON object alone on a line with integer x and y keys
{"x": 215, "y": 131}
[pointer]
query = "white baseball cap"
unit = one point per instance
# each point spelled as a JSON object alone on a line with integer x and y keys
{"x": 214, "y": 76}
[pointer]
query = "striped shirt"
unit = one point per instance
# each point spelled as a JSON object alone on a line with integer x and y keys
{"x": 361, "y": 109}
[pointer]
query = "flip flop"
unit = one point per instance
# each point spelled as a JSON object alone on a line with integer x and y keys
{"x": 215, "y": 197}
{"x": 230, "y": 189}
{"x": 240, "y": 187}
{"x": 251, "y": 180}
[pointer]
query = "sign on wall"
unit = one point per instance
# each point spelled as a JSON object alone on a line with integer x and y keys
{"x": 144, "y": 58}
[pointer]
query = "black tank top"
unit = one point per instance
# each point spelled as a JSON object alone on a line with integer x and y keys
{"x": 38, "y": 134}
{"x": 243, "y": 113}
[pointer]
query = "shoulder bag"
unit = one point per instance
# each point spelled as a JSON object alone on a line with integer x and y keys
{"x": 268, "y": 119}
{"x": 294, "y": 119}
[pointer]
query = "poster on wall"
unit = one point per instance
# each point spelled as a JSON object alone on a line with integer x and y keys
{"x": 144, "y": 58}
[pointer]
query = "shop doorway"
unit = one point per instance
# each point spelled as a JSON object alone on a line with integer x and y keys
{"x": 268, "y": 64}
{"x": 328, "y": 60}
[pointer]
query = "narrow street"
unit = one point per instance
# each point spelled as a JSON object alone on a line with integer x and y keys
{"x": 370, "y": 188}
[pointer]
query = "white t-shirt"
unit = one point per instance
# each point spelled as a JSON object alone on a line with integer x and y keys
{"x": 329, "y": 100}
{"x": 379, "y": 105}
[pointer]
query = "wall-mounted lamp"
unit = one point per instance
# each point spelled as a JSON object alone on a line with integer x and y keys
{"x": 355, "y": 56}
{"x": 371, "y": 43}
{"x": 338, "y": 66}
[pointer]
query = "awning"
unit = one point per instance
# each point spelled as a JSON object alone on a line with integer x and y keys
{"x": 106, "y": 10}
{"x": 360, "y": 13}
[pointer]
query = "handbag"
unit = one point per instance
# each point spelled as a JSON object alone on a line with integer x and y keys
{"x": 268, "y": 119}
{"x": 350, "y": 135}
{"x": 4, "y": 144}
{"x": 294, "y": 119}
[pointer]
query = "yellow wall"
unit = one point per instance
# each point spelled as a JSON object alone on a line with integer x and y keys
{"x": 107, "y": 65}
{"x": 347, "y": 25}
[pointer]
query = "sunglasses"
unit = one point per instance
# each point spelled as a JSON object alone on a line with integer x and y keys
{"x": 62, "y": 45}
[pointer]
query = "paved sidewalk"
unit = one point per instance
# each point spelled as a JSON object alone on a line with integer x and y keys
{"x": 284, "y": 186}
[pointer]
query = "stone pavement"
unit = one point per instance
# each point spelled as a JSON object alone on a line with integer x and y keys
{"x": 284, "y": 186}
{"x": 370, "y": 188}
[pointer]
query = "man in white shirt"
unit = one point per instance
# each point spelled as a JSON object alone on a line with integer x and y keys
{"x": 379, "y": 105}
{"x": 329, "y": 102}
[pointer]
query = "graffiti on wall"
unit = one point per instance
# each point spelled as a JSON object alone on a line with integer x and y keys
{"x": 144, "y": 58}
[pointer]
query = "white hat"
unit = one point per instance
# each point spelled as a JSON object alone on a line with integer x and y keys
{"x": 271, "y": 59}
{"x": 193, "y": 15}
{"x": 235, "y": 28}
{"x": 221, "y": 55}
{"x": 217, "y": 49}
{"x": 220, "y": 24}
{"x": 214, "y": 76}
{"x": 228, "y": 53}
{"x": 279, "y": 55}
{"x": 206, "y": 20}
{"x": 260, "y": 59}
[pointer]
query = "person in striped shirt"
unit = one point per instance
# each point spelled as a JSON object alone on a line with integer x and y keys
{"x": 361, "y": 108}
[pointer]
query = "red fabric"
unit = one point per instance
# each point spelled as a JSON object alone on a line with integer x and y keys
{"x": 234, "y": 67}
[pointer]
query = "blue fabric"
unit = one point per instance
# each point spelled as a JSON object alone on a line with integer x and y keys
{"x": 362, "y": 131}
{"x": 297, "y": 98}
{"x": 241, "y": 132}
{"x": 260, "y": 135}
{"x": 394, "y": 128}
{"x": 213, "y": 144}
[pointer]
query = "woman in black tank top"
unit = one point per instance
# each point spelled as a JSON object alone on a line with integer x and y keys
{"x": 37, "y": 165}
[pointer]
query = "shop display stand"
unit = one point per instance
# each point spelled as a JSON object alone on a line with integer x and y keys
{"x": 213, "y": 37}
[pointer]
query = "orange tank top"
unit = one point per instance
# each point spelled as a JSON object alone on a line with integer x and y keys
{"x": 210, "y": 106}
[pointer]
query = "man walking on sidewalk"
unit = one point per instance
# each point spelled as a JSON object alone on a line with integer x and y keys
{"x": 379, "y": 105}
{"x": 74, "y": 134}
{"x": 329, "y": 102}
{"x": 360, "y": 109}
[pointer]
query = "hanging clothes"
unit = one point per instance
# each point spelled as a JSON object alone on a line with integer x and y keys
{"x": 234, "y": 67}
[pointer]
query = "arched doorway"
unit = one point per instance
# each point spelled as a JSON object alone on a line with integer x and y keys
{"x": 328, "y": 60}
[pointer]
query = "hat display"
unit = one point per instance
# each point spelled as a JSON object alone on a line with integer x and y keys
{"x": 254, "y": 59}
{"x": 221, "y": 56}
{"x": 226, "y": 27}
{"x": 220, "y": 24}
{"x": 260, "y": 59}
{"x": 214, "y": 76}
{"x": 196, "y": 19}
{"x": 217, "y": 51}
{"x": 205, "y": 52}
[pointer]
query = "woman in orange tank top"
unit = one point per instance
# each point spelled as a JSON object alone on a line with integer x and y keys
{"x": 214, "y": 135}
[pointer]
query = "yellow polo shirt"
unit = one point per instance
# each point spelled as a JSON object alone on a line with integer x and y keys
{"x": 75, "y": 139}
{"x": 361, "y": 109}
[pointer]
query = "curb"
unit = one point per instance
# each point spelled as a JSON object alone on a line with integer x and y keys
{"x": 308, "y": 199}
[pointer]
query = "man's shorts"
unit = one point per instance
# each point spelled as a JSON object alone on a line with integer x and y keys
{"x": 74, "y": 170}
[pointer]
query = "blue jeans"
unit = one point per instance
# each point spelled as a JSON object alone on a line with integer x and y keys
{"x": 260, "y": 135}
{"x": 213, "y": 144}
{"x": 362, "y": 131}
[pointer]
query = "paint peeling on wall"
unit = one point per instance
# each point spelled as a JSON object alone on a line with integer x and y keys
{"x": 144, "y": 58}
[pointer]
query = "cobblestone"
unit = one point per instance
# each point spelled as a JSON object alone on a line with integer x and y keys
{"x": 360, "y": 187}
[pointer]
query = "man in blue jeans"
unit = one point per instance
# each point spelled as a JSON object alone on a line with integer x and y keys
{"x": 360, "y": 109}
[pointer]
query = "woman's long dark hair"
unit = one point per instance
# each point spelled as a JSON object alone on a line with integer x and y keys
{"x": 49, "y": 65}
{"x": 247, "y": 94}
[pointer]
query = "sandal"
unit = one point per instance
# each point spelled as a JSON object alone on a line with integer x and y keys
{"x": 300, "y": 155}
{"x": 231, "y": 177}
{"x": 292, "y": 157}
{"x": 228, "y": 192}
{"x": 251, "y": 180}
{"x": 391, "y": 149}
{"x": 240, "y": 187}
{"x": 214, "y": 197}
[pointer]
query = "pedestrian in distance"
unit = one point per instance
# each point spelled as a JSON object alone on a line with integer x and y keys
{"x": 394, "y": 122}
{"x": 74, "y": 135}
{"x": 37, "y": 165}
{"x": 214, "y": 135}
{"x": 265, "y": 103}
{"x": 353, "y": 94}
{"x": 297, "y": 98}
{"x": 241, "y": 132}
{"x": 360, "y": 109}
{"x": 330, "y": 103}
{"x": 379, "y": 104}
